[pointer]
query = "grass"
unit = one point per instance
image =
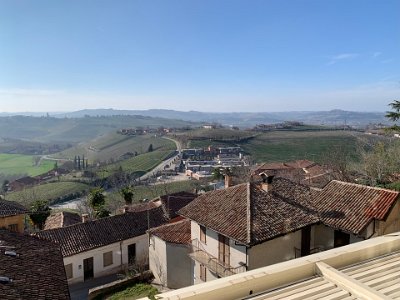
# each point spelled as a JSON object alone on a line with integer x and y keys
{"x": 137, "y": 291}
{"x": 11, "y": 164}
{"x": 139, "y": 164}
{"x": 112, "y": 146}
{"x": 221, "y": 134}
{"x": 47, "y": 191}
{"x": 277, "y": 146}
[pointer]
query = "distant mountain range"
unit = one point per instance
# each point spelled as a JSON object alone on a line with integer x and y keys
{"x": 241, "y": 119}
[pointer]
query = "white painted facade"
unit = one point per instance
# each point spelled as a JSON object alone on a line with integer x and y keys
{"x": 274, "y": 251}
{"x": 119, "y": 261}
{"x": 170, "y": 263}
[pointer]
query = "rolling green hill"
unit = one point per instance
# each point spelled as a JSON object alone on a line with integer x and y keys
{"x": 13, "y": 164}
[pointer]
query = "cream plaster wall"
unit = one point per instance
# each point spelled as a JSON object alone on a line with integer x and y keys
{"x": 274, "y": 251}
{"x": 180, "y": 266}
{"x": 158, "y": 260}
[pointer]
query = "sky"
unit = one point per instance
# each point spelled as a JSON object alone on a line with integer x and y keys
{"x": 204, "y": 55}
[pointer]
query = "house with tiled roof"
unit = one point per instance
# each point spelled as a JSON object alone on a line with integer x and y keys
{"x": 256, "y": 224}
{"x": 61, "y": 219}
{"x": 302, "y": 171}
{"x": 168, "y": 254}
{"x": 105, "y": 246}
{"x": 31, "y": 268}
{"x": 12, "y": 216}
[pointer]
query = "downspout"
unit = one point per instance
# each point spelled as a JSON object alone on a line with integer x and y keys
{"x": 120, "y": 249}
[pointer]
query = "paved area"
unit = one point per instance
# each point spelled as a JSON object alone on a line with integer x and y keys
{"x": 80, "y": 291}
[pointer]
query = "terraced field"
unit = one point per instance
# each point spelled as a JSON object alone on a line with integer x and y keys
{"x": 12, "y": 164}
{"x": 47, "y": 191}
{"x": 112, "y": 146}
{"x": 139, "y": 164}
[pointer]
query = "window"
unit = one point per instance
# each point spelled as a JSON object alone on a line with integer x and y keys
{"x": 132, "y": 254}
{"x": 203, "y": 272}
{"x": 203, "y": 234}
{"x": 107, "y": 259}
{"x": 13, "y": 227}
{"x": 68, "y": 271}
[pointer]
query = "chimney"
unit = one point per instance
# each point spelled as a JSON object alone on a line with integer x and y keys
{"x": 267, "y": 185}
{"x": 85, "y": 218}
{"x": 228, "y": 180}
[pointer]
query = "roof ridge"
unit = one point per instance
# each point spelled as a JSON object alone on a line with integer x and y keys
{"x": 249, "y": 212}
{"x": 364, "y": 186}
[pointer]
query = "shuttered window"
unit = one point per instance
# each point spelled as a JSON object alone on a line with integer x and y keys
{"x": 203, "y": 234}
{"x": 107, "y": 259}
{"x": 68, "y": 271}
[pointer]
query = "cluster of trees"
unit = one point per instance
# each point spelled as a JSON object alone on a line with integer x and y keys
{"x": 80, "y": 163}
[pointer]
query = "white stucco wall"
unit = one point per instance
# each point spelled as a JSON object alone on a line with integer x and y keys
{"x": 158, "y": 260}
{"x": 277, "y": 250}
{"x": 99, "y": 270}
{"x": 180, "y": 266}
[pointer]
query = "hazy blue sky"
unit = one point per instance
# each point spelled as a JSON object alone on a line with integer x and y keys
{"x": 199, "y": 55}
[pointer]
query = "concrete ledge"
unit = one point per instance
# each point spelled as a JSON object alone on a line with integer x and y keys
{"x": 262, "y": 279}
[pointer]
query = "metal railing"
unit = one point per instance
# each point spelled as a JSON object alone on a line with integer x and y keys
{"x": 199, "y": 254}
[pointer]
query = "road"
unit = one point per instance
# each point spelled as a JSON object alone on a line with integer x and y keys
{"x": 162, "y": 165}
{"x": 74, "y": 204}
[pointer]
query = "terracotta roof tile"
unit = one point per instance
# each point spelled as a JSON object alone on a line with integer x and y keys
{"x": 37, "y": 272}
{"x": 249, "y": 215}
{"x": 177, "y": 233}
{"x": 93, "y": 234}
{"x": 61, "y": 219}
{"x": 351, "y": 207}
{"x": 11, "y": 208}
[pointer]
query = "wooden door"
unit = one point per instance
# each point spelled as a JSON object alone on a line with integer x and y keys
{"x": 223, "y": 249}
{"x": 88, "y": 268}
{"x": 132, "y": 254}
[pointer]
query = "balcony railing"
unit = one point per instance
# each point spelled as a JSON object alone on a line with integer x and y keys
{"x": 199, "y": 254}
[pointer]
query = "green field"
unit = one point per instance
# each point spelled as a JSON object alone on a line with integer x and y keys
{"x": 47, "y": 191}
{"x": 11, "y": 164}
{"x": 141, "y": 164}
{"x": 112, "y": 146}
{"x": 291, "y": 145}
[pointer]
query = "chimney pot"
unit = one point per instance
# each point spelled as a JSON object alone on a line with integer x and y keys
{"x": 85, "y": 218}
{"x": 228, "y": 181}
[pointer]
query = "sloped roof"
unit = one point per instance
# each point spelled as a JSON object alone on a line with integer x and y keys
{"x": 174, "y": 202}
{"x": 11, "y": 208}
{"x": 61, "y": 219}
{"x": 249, "y": 215}
{"x": 171, "y": 203}
{"x": 351, "y": 207}
{"x": 177, "y": 232}
{"x": 37, "y": 272}
{"x": 93, "y": 234}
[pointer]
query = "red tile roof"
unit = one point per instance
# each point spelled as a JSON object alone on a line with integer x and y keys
{"x": 36, "y": 273}
{"x": 177, "y": 233}
{"x": 11, "y": 208}
{"x": 61, "y": 219}
{"x": 249, "y": 215}
{"x": 351, "y": 207}
{"x": 82, "y": 237}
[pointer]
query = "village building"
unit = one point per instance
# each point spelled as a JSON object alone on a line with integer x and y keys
{"x": 168, "y": 254}
{"x": 105, "y": 246}
{"x": 31, "y": 268}
{"x": 256, "y": 224}
{"x": 12, "y": 216}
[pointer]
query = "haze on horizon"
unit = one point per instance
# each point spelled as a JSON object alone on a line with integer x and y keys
{"x": 210, "y": 56}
